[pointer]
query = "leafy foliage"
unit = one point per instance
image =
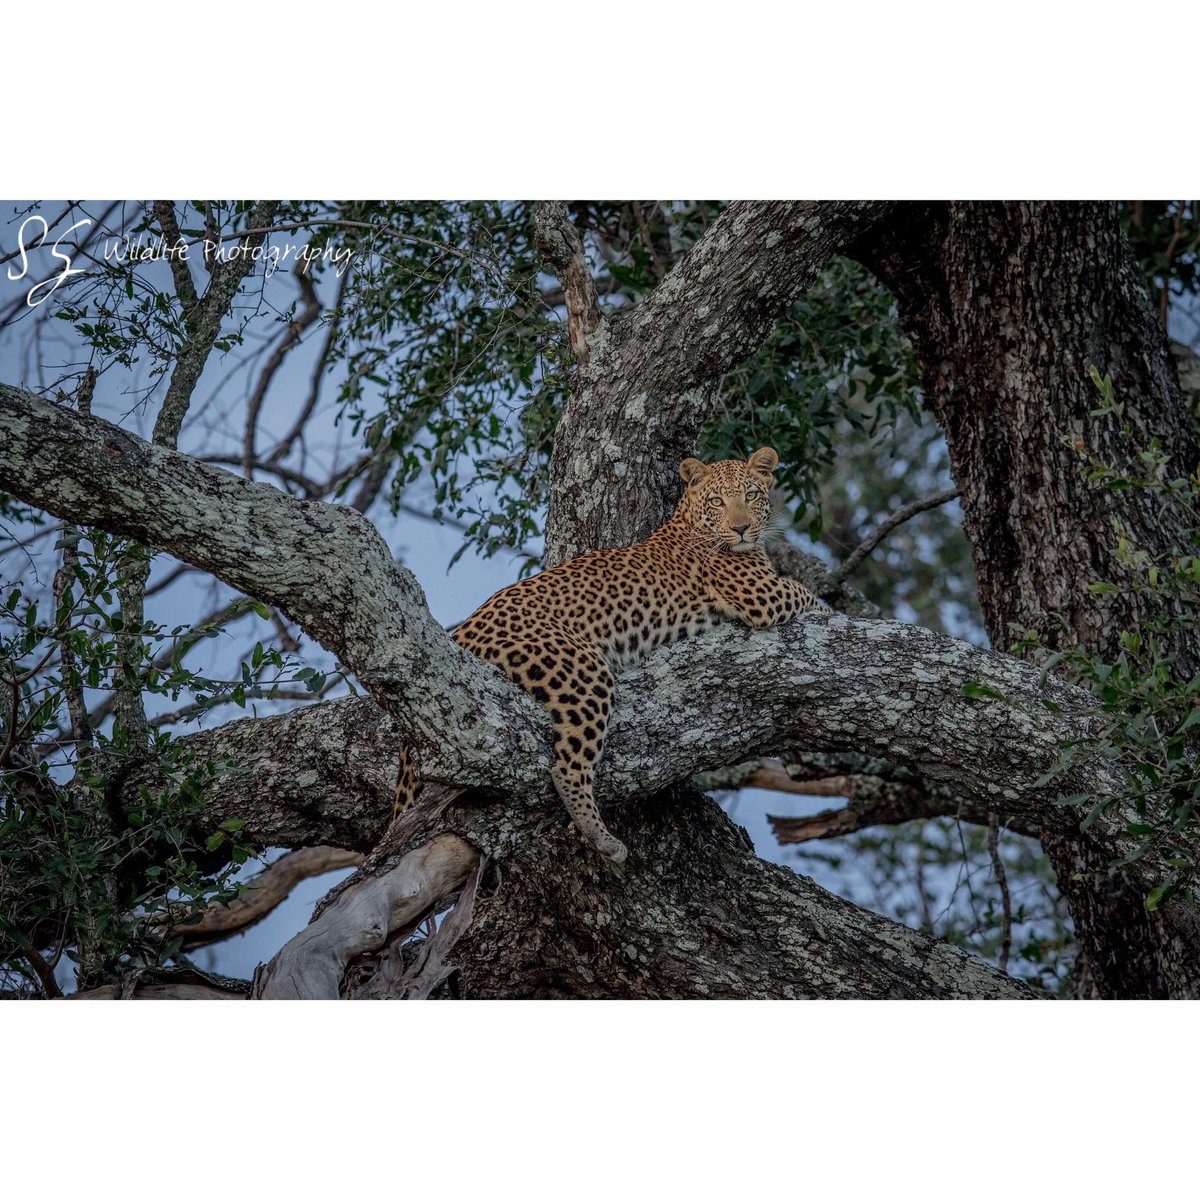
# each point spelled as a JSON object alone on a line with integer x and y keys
{"x": 104, "y": 883}
{"x": 108, "y": 888}
{"x": 1165, "y": 236}
{"x": 455, "y": 366}
{"x": 836, "y": 361}
{"x": 453, "y": 363}
{"x": 938, "y": 876}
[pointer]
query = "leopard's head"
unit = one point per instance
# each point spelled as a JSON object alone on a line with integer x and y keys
{"x": 728, "y": 502}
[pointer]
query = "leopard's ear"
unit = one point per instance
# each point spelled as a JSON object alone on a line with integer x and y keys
{"x": 763, "y": 461}
{"x": 692, "y": 470}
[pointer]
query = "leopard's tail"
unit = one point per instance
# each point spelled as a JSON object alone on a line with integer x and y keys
{"x": 408, "y": 783}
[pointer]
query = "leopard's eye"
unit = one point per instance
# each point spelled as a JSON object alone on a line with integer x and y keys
{"x": 753, "y": 494}
{"x": 715, "y": 501}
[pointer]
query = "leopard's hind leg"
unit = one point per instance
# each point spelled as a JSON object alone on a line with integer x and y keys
{"x": 578, "y": 697}
{"x": 571, "y": 680}
{"x": 408, "y": 783}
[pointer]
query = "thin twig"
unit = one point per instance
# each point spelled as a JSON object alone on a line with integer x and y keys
{"x": 81, "y": 726}
{"x": 291, "y": 338}
{"x": 169, "y": 578}
{"x": 1177, "y": 239}
{"x": 993, "y": 843}
{"x": 284, "y": 448}
{"x": 839, "y": 574}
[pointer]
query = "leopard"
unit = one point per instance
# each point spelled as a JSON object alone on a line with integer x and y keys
{"x": 564, "y": 635}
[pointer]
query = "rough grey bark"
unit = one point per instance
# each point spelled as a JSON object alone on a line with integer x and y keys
{"x": 832, "y": 681}
{"x": 652, "y": 372}
{"x": 826, "y": 682}
{"x": 682, "y": 925}
{"x": 323, "y": 774}
{"x": 697, "y": 913}
{"x": 323, "y": 565}
{"x": 1007, "y": 305}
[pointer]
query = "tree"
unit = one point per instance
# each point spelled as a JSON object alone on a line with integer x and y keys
{"x": 700, "y": 303}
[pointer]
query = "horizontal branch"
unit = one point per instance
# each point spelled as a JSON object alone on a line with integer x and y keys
{"x": 325, "y": 566}
{"x": 168, "y": 983}
{"x": 876, "y": 793}
{"x": 827, "y": 682}
{"x": 873, "y": 802}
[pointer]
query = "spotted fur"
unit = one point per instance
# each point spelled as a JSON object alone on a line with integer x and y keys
{"x": 565, "y": 634}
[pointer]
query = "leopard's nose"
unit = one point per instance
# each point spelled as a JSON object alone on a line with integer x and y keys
{"x": 740, "y": 530}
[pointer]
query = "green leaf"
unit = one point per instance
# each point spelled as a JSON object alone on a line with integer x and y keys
{"x": 1095, "y": 812}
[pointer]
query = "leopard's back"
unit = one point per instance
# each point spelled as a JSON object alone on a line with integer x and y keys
{"x": 623, "y": 602}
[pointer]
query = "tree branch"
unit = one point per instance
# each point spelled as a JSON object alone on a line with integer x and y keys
{"x": 652, "y": 373}
{"x": 203, "y": 322}
{"x": 324, "y": 566}
{"x": 185, "y": 289}
{"x": 263, "y": 894}
{"x": 827, "y": 682}
{"x": 310, "y": 966}
{"x": 558, "y": 239}
{"x": 840, "y": 573}
{"x": 808, "y": 569}
{"x": 291, "y": 338}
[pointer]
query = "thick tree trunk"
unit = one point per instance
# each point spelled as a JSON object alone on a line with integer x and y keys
{"x": 652, "y": 373}
{"x": 1007, "y": 306}
{"x": 699, "y": 916}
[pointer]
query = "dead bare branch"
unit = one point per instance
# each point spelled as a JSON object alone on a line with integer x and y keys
{"x": 559, "y": 241}
{"x": 310, "y": 966}
{"x": 263, "y": 894}
{"x": 291, "y": 338}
